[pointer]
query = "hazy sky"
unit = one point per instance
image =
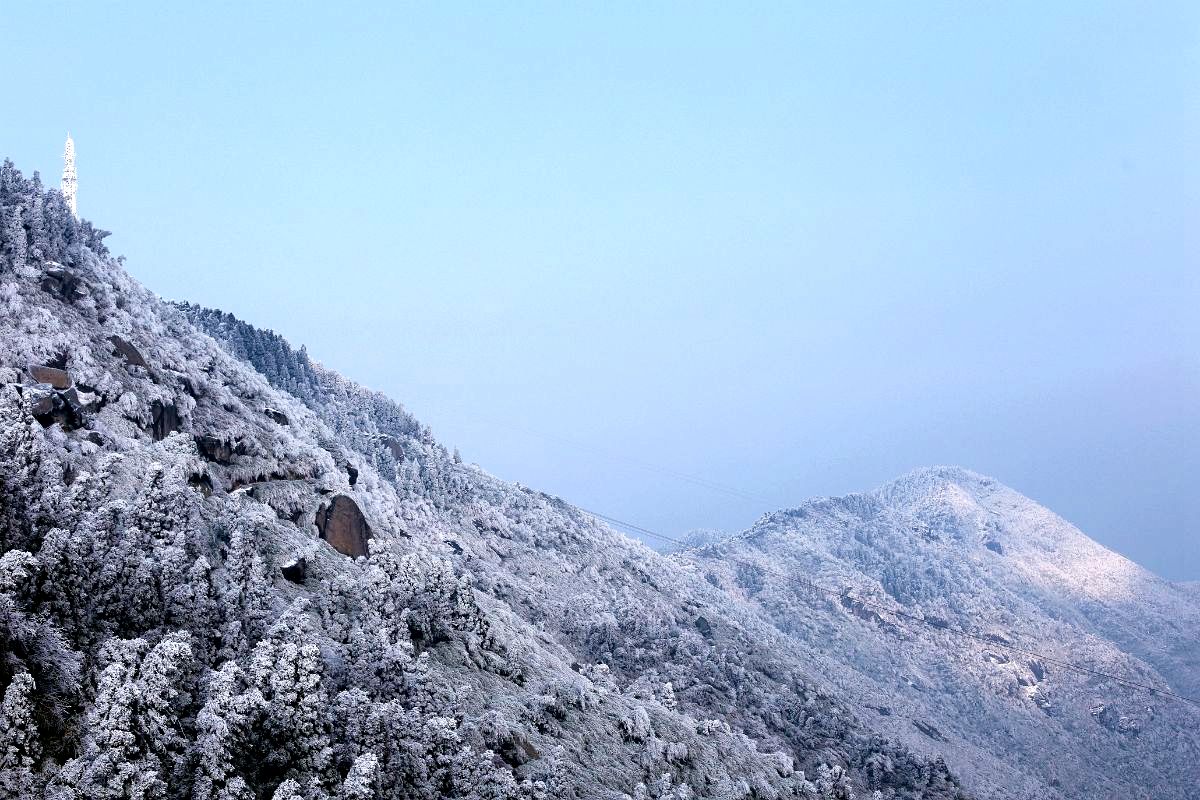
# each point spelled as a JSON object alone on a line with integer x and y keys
{"x": 797, "y": 250}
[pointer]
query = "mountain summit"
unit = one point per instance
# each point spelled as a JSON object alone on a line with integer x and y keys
{"x": 949, "y": 550}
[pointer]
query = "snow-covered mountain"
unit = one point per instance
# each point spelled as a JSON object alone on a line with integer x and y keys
{"x": 215, "y": 587}
{"x": 966, "y": 553}
{"x": 228, "y": 572}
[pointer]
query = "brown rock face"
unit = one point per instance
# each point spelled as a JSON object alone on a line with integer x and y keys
{"x": 128, "y": 352}
{"x": 50, "y": 407}
{"x": 57, "y": 378}
{"x": 342, "y": 525}
{"x": 221, "y": 451}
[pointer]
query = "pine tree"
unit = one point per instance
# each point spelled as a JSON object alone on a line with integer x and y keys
{"x": 833, "y": 783}
{"x": 111, "y": 765}
{"x": 221, "y": 731}
{"x": 20, "y": 459}
{"x": 166, "y": 683}
{"x": 286, "y": 669}
{"x": 20, "y": 747}
{"x": 361, "y": 779}
{"x": 195, "y": 607}
{"x": 15, "y": 247}
{"x": 246, "y": 600}
{"x": 39, "y": 240}
{"x": 28, "y": 640}
{"x": 133, "y": 743}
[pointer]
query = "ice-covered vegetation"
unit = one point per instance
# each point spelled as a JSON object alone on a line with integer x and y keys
{"x": 226, "y": 572}
{"x": 965, "y": 553}
{"x": 213, "y": 587}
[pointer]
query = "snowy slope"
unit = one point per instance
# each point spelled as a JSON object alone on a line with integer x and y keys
{"x": 664, "y": 633}
{"x": 966, "y": 552}
{"x": 186, "y": 610}
{"x": 182, "y": 613}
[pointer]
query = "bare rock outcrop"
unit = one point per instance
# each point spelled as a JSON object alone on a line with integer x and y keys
{"x": 164, "y": 420}
{"x": 342, "y": 524}
{"x": 128, "y": 352}
{"x": 53, "y": 376}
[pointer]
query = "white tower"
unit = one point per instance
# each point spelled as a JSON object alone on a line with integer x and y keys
{"x": 68, "y": 179}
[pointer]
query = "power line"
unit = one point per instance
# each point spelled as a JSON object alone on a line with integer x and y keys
{"x": 686, "y": 477}
{"x": 630, "y": 526}
{"x": 1067, "y": 665}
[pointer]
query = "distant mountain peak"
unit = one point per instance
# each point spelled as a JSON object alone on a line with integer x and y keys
{"x": 940, "y": 475}
{"x": 963, "y": 550}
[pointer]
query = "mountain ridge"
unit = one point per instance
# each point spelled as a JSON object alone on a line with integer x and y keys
{"x": 966, "y": 552}
{"x": 188, "y": 496}
{"x": 211, "y": 589}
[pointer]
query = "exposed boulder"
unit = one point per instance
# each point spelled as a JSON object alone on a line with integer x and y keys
{"x": 295, "y": 570}
{"x": 201, "y": 483}
{"x": 1129, "y": 726}
{"x": 219, "y": 450}
{"x": 352, "y": 474}
{"x": 394, "y": 447}
{"x": 81, "y": 400}
{"x": 860, "y": 609}
{"x": 164, "y": 420}
{"x": 343, "y": 525}
{"x": 277, "y": 416}
{"x": 51, "y": 406}
{"x": 929, "y": 730}
{"x": 55, "y": 377}
{"x": 128, "y": 352}
{"x": 704, "y": 626}
{"x": 60, "y": 282}
{"x": 1105, "y": 715}
{"x": 516, "y": 749}
{"x": 41, "y": 403}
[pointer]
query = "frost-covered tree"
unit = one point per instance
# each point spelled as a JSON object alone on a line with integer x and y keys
{"x": 133, "y": 742}
{"x": 362, "y": 780}
{"x": 20, "y": 746}
{"x": 30, "y": 642}
{"x": 20, "y": 460}
{"x": 187, "y": 633}
{"x": 246, "y": 598}
{"x": 287, "y": 671}
{"x": 222, "y": 732}
{"x": 833, "y": 783}
{"x": 15, "y": 250}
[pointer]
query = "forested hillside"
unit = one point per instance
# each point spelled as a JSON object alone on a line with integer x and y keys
{"x": 211, "y": 587}
{"x": 952, "y": 550}
{"x": 227, "y": 572}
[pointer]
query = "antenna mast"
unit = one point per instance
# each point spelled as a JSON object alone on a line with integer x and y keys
{"x": 69, "y": 183}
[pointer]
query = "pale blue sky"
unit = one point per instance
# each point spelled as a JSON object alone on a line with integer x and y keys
{"x": 797, "y": 250}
